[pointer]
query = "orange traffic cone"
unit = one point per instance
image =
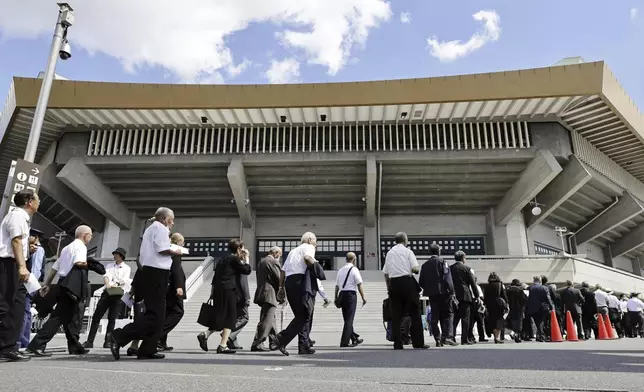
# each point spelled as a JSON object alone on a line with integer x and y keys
{"x": 610, "y": 330}
{"x": 555, "y": 332}
{"x": 601, "y": 328}
{"x": 571, "y": 330}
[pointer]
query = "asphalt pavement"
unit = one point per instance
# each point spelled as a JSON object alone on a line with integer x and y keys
{"x": 583, "y": 366}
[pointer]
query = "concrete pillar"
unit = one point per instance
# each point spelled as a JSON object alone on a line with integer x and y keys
{"x": 237, "y": 181}
{"x": 637, "y": 266}
{"x": 370, "y": 197}
{"x": 511, "y": 238}
{"x": 608, "y": 257}
{"x": 540, "y": 171}
{"x": 82, "y": 180}
{"x": 625, "y": 209}
{"x": 566, "y": 184}
{"x": 250, "y": 243}
{"x": 370, "y": 249}
{"x": 110, "y": 241}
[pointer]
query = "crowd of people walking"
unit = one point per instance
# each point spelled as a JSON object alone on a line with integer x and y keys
{"x": 158, "y": 289}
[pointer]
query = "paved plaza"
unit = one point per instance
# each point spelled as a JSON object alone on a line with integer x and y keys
{"x": 588, "y": 366}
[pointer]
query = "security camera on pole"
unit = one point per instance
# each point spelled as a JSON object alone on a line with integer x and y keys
{"x": 25, "y": 173}
{"x": 59, "y": 47}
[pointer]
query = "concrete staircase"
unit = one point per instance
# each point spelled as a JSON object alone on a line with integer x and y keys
{"x": 327, "y": 321}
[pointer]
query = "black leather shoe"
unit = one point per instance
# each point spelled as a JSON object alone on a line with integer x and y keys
{"x": 358, "y": 341}
{"x": 311, "y": 343}
{"x": 37, "y": 353}
{"x": 258, "y": 349}
{"x": 276, "y": 346}
{"x": 132, "y": 352}
{"x": 106, "y": 344}
{"x": 15, "y": 356}
{"x": 89, "y": 344}
{"x": 80, "y": 350}
{"x": 450, "y": 343}
{"x": 233, "y": 346}
{"x": 203, "y": 341}
{"x": 225, "y": 350}
{"x": 151, "y": 356}
{"x": 306, "y": 351}
{"x": 114, "y": 348}
{"x": 423, "y": 347}
{"x": 163, "y": 347}
{"x": 352, "y": 344}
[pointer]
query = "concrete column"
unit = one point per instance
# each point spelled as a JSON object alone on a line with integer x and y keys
{"x": 237, "y": 180}
{"x": 250, "y": 243}
{"x": 370, "y": 249}
{"x": 625, "y": 209}
{"x": 637, "y": 266}
{"x": 543, "y": 169}
{"x": 370, "y": 197}
{"x": 111, "y": 234}
{"x": 511, "y": 238}
{"x": 82, "y": 180}
{"x": 630, "y": 241}
{"x": 566, "y": 184}
{"x": 608, "y": 257}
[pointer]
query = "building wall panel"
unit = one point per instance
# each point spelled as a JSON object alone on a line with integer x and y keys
{"x": 207, "y": 227}
{"x": 448, "y": 225}
{"x": 327, "y": 226}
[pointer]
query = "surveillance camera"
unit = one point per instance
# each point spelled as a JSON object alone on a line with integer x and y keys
{"x": 65, "y": 51}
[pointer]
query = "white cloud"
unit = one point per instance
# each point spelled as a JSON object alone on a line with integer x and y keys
{"x": 451, "y": 50}
{"x": 285, "y": 71}
{"x": 405, "y": 18}
{"x": 634, "y": 13}
{"x": 189, "y": 38}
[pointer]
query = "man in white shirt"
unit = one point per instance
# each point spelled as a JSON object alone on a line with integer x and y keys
{"x": 69, "y": 268}
{"x": 347, "y": 282}
{"x": 291, "y": 286}
{"x": 404, "y": 300}
{"x": 635, "y": 308}
{"x": 602, "y": 300}
{"x": 151, "y": 285}
{"x": 614, "y": 313}
{"x": 116, "y": 283}
{"x": 14, "y": 250}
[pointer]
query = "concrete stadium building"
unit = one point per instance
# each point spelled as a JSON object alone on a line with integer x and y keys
{"x": 460, "y": 160}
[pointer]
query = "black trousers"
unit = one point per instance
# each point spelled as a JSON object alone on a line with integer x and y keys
{"x": 267, "y": 325}
{"x": 443, "y": 315}
{"x": 173, "y": 314}
{"x": 589, "y": 324}
{"x": 404, "y": 299}
{"x": 539, "y": 319}
{"x": 615, "y": 316}
{"x": 12, "y": 304}
{"x": 107, "y": 303}
{"x": 477, "y": 318}
{"x": 463, "y": 315}
{"x": 349, "y": 305}
{"x": 302, "y": 308}
{"x": 242, "y": 320}
{"x": 635, "y": 320}
{"x": 151, "y": 289}
{"x": 66, "y": 315}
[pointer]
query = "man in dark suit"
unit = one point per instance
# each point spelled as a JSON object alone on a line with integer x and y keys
{"x": 268, "y": 284}
{"x": 466, "y": 294}
{"x": 175, "y": 295}
{"x": 588, "y": 311}
{"x": 572, "y": 299}
{"x": 539, "y": 306}
{"x": 436, "y": 281}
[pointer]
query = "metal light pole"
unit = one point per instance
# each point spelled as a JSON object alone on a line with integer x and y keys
{"x": 59, "y": 46}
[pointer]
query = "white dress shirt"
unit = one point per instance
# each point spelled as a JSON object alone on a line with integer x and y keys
{"x": 295, "y": 263}
{"x": 321, "y": 291}
{"x": 613, "y": 302}
{"x": 71, "y": 254}
{"x": 15, "y": 224}
{"x": 156, "y": 239}
{"x": 635, "y": 305}
{"x": 118, "y": 275}
{"x": 623, "y": 305}
{"x": 399, "y": 262}
{"x": 601, "y": 298}
{"x": 354, "y": 278}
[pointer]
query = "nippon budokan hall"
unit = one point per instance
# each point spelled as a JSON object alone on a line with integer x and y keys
{"x": 529, "y": 172}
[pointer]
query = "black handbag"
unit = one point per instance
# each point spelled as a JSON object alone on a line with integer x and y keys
{"x": 338, "y": 299}
{"x": 207, "y": 315}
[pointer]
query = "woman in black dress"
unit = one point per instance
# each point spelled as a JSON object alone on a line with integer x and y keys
{"x": 496, "y": 302}
{"x": 224, "y": 294}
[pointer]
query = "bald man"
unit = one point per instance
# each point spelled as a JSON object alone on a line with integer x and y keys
{"x": 71, "y": 268}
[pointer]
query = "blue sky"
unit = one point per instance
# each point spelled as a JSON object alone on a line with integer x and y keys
{"x": 250, "y": 40}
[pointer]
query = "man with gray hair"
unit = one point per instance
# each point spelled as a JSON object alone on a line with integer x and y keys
{"x": 268, "y": 284}
{"x": 293, "y": 282}
{"x": 150, "y": 286}
{"x": 71, "y": 267}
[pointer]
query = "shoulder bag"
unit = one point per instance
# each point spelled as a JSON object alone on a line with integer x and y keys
{"x": 338, "y": 299}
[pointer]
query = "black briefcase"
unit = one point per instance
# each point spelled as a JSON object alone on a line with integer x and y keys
{"x": 208, "y": 315}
